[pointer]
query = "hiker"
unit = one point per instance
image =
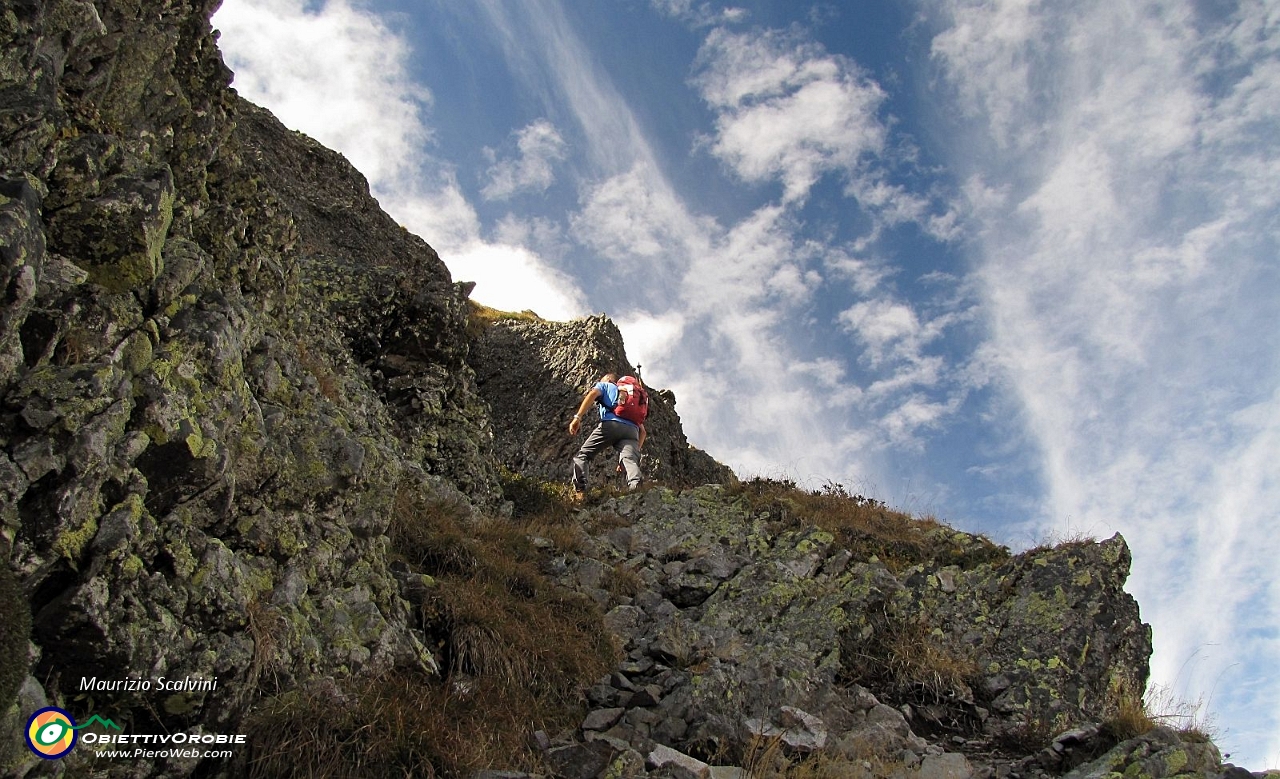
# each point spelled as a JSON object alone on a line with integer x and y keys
{"x": 628, "y": 398}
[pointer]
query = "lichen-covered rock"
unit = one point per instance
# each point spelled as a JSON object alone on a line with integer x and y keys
{"x": 384, "y": 293}
{"x": 1158, "y": 754}
{"x": 199, "y": 459}
{"x": 16, "y": 617}
{"x": 22, "y": 251}
{"x": 745, "y": 626}
{"x": 1056, "y": 639}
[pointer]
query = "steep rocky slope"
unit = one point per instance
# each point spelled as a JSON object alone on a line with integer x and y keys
{"x": 247, "y": 436}
{"x": 221, "y": 363}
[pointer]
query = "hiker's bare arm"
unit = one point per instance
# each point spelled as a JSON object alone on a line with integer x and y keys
{"x": 642, "y": 436}
{"x": 576, "y": 423}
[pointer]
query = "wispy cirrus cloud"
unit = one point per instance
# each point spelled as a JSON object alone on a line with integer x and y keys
{"x": 636, "y": 214}
{"x": 1123, "y": 163}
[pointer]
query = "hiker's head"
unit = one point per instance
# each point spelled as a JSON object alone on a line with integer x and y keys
{"x": 612, "y": 378}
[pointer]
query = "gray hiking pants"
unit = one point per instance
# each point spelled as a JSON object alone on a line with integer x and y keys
{"x": 619, "y": 435}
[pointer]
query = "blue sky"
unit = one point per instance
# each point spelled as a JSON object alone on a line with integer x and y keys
{"x": 1010, "y": 262}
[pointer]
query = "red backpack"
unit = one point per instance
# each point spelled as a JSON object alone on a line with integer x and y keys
{"x": 633, "y": 401}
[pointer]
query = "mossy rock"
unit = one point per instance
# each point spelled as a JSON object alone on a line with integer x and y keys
{"x": 15, "y": 615}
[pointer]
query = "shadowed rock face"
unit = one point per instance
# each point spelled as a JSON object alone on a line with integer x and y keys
{"x": 225, "y": 372}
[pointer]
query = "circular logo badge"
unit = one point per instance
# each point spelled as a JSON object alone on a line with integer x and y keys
{"x": 51, "y": 733}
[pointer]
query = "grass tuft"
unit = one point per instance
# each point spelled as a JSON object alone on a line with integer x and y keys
{"x": 910, "y": 662}
{"x": 481, "y": 317}
{"x": 765, "y": 758}
{"x": 1159, "y": 706}
{"x": 398, "y": 725}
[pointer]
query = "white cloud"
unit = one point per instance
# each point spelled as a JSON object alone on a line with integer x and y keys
{"x": 635, "y": 214}
{"x": 786, "y": 109}
{"x": 743, "y": 268}
{"x": 544, "y": 236}
{"x": 882, "y": 323}
{"x": 337, "y": 73}
{"x": 864, "y": 274}
{"x": 894, "y": 339}
{"x": 904, "y": 423}
{"x": 539, "y": 146}
{"x": 699, "y": 14}
{"x": 442, "y": 216}
{"x": 1125, "y": 187}
{"x": 651, "y": 339}
{"x": 511, "y": 278}
{"x": 995, "y": 45}
{"x": 543, "y": 49}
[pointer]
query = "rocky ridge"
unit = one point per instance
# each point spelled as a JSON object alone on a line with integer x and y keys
{"x": 251, "y": 432}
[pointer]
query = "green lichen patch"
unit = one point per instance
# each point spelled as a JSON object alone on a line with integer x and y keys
{"x": 15, "y": 615}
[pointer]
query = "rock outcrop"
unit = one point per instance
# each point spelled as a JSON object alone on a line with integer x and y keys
{"x": 741, "y": 624}
{"x": 251, "y": 436}
{"x": 533, "y": 375}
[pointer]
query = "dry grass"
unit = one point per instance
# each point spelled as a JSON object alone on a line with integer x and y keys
{"x": 1067, "y": 539}
{"x": 765, "y": 758}
{"x": 268, "y": 628}
{"x": 865, "y": 526}
{"x": 326, "y": 379}
{"x": 493, "y": 613}
{"x": 480, "y": 317}
{"x": 622, "y": 582}
{"x": 543, "y": 509}
{"x": 516, "y": 651}
{"x": 1031, "y": 735}
{"x": 1134, "y": 715}
{"x": 910, "y": 662}
{"x": 921, "y": 660}
{"x": 1131, "y": 718}
{"x": 398, "y": 725}
{"x": 1159, "y": 706}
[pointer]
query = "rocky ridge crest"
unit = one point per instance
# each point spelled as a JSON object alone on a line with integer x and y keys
{"x": 251, "y": 431}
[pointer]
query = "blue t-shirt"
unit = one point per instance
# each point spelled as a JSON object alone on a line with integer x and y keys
{"x": 609, "y": 399}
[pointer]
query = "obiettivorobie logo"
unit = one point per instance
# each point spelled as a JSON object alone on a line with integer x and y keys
{"x": 52, "y": 732}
